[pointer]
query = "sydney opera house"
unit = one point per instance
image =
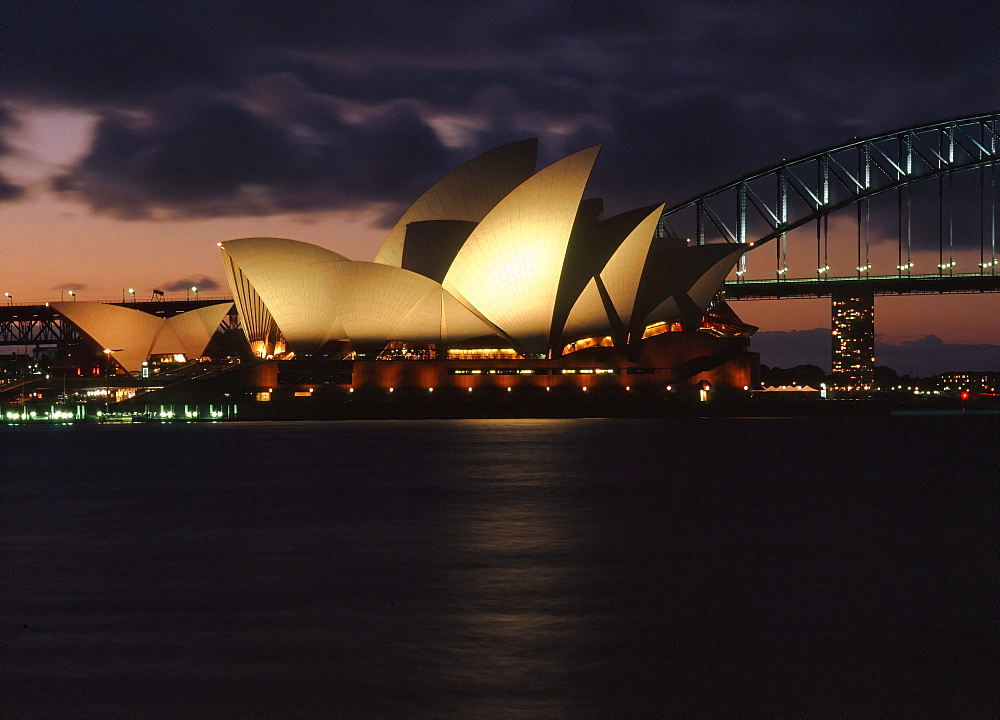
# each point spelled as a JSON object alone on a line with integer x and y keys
{"x": 497, "y": 276}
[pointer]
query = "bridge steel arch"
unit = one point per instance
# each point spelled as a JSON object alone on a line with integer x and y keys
{"x": 768, "y": 204}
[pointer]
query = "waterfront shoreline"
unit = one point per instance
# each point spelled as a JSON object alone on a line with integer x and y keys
{"x": 426, "y": 409}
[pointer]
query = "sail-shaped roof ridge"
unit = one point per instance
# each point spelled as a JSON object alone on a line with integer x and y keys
{"x": 467, "y": 193}
{"x": 281, "y": 273}
{"x": 129, "y": 332}
{"x": 679, "y": 283}
{"x": 259, "y": 328}
{"x": 588, "y": 316}
{"x": 377, "y": 302}
{"x": 133, "y": 335}
{"x": 623, "y": 271}
{"x": 591, "y": 248}
{"x": 194, "y": 329}
{"x": 509, "y": 269}
{"x": 301, "y": 251}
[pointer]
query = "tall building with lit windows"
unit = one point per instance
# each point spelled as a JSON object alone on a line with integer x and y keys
{"x": 853, "y": 335}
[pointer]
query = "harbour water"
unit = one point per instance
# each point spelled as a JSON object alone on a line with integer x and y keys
{"x": 526, "y": 568}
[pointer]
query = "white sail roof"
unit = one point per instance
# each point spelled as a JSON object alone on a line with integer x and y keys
{"x": 281, "y": 273}
{"x": 509, "y": 268}
{"x": 468, "y": 193}
{"x": 375, "y": 303}
{"x": 133, "y": 335}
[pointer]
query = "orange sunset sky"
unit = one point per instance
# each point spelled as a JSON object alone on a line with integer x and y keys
{"x": 134, "y": 138}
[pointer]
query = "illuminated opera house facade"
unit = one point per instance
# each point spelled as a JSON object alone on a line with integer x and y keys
{"x": 502, "y": 277}
{"x": 498, "y": 277}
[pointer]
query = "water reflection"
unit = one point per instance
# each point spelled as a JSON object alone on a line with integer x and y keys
{"x": 515, "y": 576}
{"x": 500, "y": 568}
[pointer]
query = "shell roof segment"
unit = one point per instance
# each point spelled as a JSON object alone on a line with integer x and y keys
{"x": 679, "y": 283}
{"x": 509, "y": 268}
{"x": 376, "y": 303}
{"x": 603, "y": 265}
{"x": 134, "y": 335}
{"x": 282, "y": 273}
{"x": 194, "y": 328}
{"x": 129, "y": 332}
{"x": 467, "y": 193}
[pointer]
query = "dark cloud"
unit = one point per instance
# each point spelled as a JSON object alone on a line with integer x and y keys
{"x": 200, "y": 156}
{"x": 923, "y": 357}
{"x": 786, "y": 349}
{"x": 75, "y": 287}
{"x": 255, "y": 107}
{"x": 930, "y": 356}
{"x": 202, "y": 282}
{"x": 8, "y": 190}
{"x": 86, "y": 51}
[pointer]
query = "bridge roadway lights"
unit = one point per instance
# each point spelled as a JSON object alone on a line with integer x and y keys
{"x": 872, "y": 284}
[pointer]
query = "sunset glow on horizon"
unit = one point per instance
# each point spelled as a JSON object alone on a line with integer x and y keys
{"x": 124, "y": 160}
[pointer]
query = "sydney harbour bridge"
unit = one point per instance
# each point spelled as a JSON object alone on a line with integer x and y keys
{"x": 912, "y": 211}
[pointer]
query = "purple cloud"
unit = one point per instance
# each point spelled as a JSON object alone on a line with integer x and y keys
{"x": 922, "y": 357}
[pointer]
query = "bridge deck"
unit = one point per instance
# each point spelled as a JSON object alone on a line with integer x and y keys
{"x": 162, "y": 308}
{"x": 874, "y": 285}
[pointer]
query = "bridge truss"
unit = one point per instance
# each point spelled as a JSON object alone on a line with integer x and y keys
{"x": 769, "y": 204}
{"x": 26, "y": 325}
{"x": 35, "y": 325}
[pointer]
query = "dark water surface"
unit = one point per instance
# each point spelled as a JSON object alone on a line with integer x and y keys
{"x": 701, "y": 567}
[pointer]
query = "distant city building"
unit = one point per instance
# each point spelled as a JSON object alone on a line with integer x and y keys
{"x": 978, "y": 382}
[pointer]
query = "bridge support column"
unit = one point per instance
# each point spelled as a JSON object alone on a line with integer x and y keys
{"x": 853, "y": 335}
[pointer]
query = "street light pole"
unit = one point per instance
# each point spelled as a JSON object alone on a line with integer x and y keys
{"x": 107, "y": 378}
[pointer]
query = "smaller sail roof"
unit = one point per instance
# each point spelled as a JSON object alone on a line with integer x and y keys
{"x": 133, "y": 335}
{"x": 129, "y": 333}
